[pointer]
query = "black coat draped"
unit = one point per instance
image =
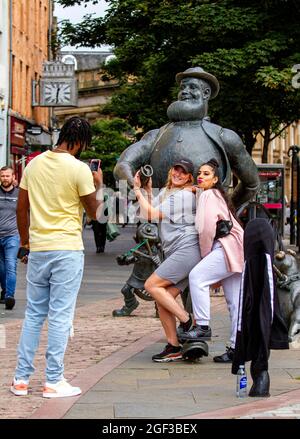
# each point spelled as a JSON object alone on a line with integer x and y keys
{"x": 260, "y": 324}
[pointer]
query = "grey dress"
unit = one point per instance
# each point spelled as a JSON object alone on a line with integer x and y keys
{"x": 178, "y": 235}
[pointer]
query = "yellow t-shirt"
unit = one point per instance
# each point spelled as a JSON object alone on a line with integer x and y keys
{"x": 54, "y": 182}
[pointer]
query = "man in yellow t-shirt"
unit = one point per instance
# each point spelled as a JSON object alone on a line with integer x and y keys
{"x": 54, "y": 189}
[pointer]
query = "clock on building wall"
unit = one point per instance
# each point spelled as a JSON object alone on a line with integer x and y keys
{"x": 58, "y": 85}
{"x": 58, "y": 92}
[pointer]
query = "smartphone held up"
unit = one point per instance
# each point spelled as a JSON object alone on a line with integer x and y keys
{"x": 95, "y": 165}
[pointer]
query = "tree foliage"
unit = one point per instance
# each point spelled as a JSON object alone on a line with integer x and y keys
{"x": 249, "y": 45}
{"x": 110, "y": 138}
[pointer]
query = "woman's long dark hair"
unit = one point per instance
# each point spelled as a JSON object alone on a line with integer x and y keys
{"x": 214, "y": 165}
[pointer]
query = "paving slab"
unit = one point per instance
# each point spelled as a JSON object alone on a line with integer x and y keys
{"x": 139, "y": 396}
{"x": 152, "y": 411}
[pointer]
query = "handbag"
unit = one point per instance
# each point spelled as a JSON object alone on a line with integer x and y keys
{"x": 223, "y": 227}
{"x": 112, "y": 231}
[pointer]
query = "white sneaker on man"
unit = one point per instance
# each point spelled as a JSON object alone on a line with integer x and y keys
{"x": 60, "y": 390}
{"x": 19, "y": 387}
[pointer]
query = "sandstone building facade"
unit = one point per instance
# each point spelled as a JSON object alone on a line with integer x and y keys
{"x": 29, "y": 45}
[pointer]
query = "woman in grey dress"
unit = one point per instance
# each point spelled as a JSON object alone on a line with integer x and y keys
{"x": 174, "y": 209}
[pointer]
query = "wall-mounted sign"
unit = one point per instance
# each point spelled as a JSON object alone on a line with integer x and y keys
{"x": 34, "y": 130}
{"x": 18, "y": 129}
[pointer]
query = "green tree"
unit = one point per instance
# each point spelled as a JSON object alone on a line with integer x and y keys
{"x": 110, "y": 138}
{"x": 250, "y": 45}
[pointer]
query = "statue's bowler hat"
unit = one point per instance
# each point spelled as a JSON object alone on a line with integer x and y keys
{"x": 198, "y": 72}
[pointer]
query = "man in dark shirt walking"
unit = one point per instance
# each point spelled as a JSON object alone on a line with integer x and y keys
{"x": 9, "y": 236}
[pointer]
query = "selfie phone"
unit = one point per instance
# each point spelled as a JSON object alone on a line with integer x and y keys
{"x": 95, "y": 165}
{"x": 23, "y": 251}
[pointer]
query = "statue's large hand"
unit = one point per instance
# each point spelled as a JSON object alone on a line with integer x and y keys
{"x": 123, "y": 172}
{"x": 191, "y": 189}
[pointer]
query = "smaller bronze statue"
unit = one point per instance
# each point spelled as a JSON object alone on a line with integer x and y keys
{"x": 145, "y": 256}
{"x": 288, "y": 288}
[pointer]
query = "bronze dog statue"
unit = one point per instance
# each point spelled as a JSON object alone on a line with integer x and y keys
{"x": 288, "y": 288}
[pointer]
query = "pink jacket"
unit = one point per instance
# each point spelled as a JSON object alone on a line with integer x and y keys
{"x": 212, "y": 207}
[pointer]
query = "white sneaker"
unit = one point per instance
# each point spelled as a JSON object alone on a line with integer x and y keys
{"x": 19, "y": 387}
{"x": 60, "y": 390}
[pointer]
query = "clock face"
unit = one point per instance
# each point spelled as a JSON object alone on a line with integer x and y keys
{"x": 57, "y": 93}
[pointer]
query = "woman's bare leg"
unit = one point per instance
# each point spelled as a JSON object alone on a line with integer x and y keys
{"x": 157, "y": 287}
{"x": 164, "y": 293}
{"x": 168, "y": 320}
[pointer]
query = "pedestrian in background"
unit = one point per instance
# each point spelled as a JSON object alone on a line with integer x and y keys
{"x": 99, "y": 230}
{"x": 9, "y": 236}
{"x": 54, "y": 189}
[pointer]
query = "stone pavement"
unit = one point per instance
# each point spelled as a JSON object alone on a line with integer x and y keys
{"x": 110, "y": 358}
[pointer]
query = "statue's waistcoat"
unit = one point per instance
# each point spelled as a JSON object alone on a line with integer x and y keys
{"x": 197, "y": 140}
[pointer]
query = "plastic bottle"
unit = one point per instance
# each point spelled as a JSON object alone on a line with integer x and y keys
{"x": 241, "y": 382}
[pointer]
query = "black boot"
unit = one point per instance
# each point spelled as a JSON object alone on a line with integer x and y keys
{"x": 261, "y": 383}
{"x": 227, "y": 357}
{"x": 130, "y": 303}
{"x": 9, "y": 303}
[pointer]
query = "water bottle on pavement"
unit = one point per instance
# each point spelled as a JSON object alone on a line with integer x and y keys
{"x": 241, "y": 382}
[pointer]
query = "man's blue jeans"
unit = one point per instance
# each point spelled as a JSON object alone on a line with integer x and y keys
{"x": 53, "y": 282}
{"x": 9, "y": 247}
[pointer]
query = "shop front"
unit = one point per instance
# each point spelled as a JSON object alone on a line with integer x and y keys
{"x": 271, "y": 192}
{"x": 18, "y": 129}
{"x": 27, "y": 141}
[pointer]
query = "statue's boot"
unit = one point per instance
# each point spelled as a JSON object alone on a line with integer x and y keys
{"x": 130, "y": 303}
{"x": 261, "y": 383}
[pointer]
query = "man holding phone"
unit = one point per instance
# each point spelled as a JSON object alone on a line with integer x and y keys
{"x": 54, "y": 189}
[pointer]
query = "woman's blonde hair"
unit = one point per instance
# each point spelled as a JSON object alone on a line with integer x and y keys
{"x": 168, "y": 184}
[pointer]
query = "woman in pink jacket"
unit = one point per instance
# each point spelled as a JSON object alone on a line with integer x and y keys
{"x": 222, "y": 258}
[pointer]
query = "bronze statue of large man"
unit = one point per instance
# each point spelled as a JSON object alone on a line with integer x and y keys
{"x": 189, "y": 134}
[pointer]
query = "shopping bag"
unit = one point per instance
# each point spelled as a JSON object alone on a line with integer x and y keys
{"x": 112, "y": 231}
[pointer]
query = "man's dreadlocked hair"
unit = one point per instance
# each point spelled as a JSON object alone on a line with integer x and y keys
{"x": 75, "y": 130}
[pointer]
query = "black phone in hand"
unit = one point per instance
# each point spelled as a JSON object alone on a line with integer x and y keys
{"x": 95, "y": 165}
{"x": 23, "y": 251}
